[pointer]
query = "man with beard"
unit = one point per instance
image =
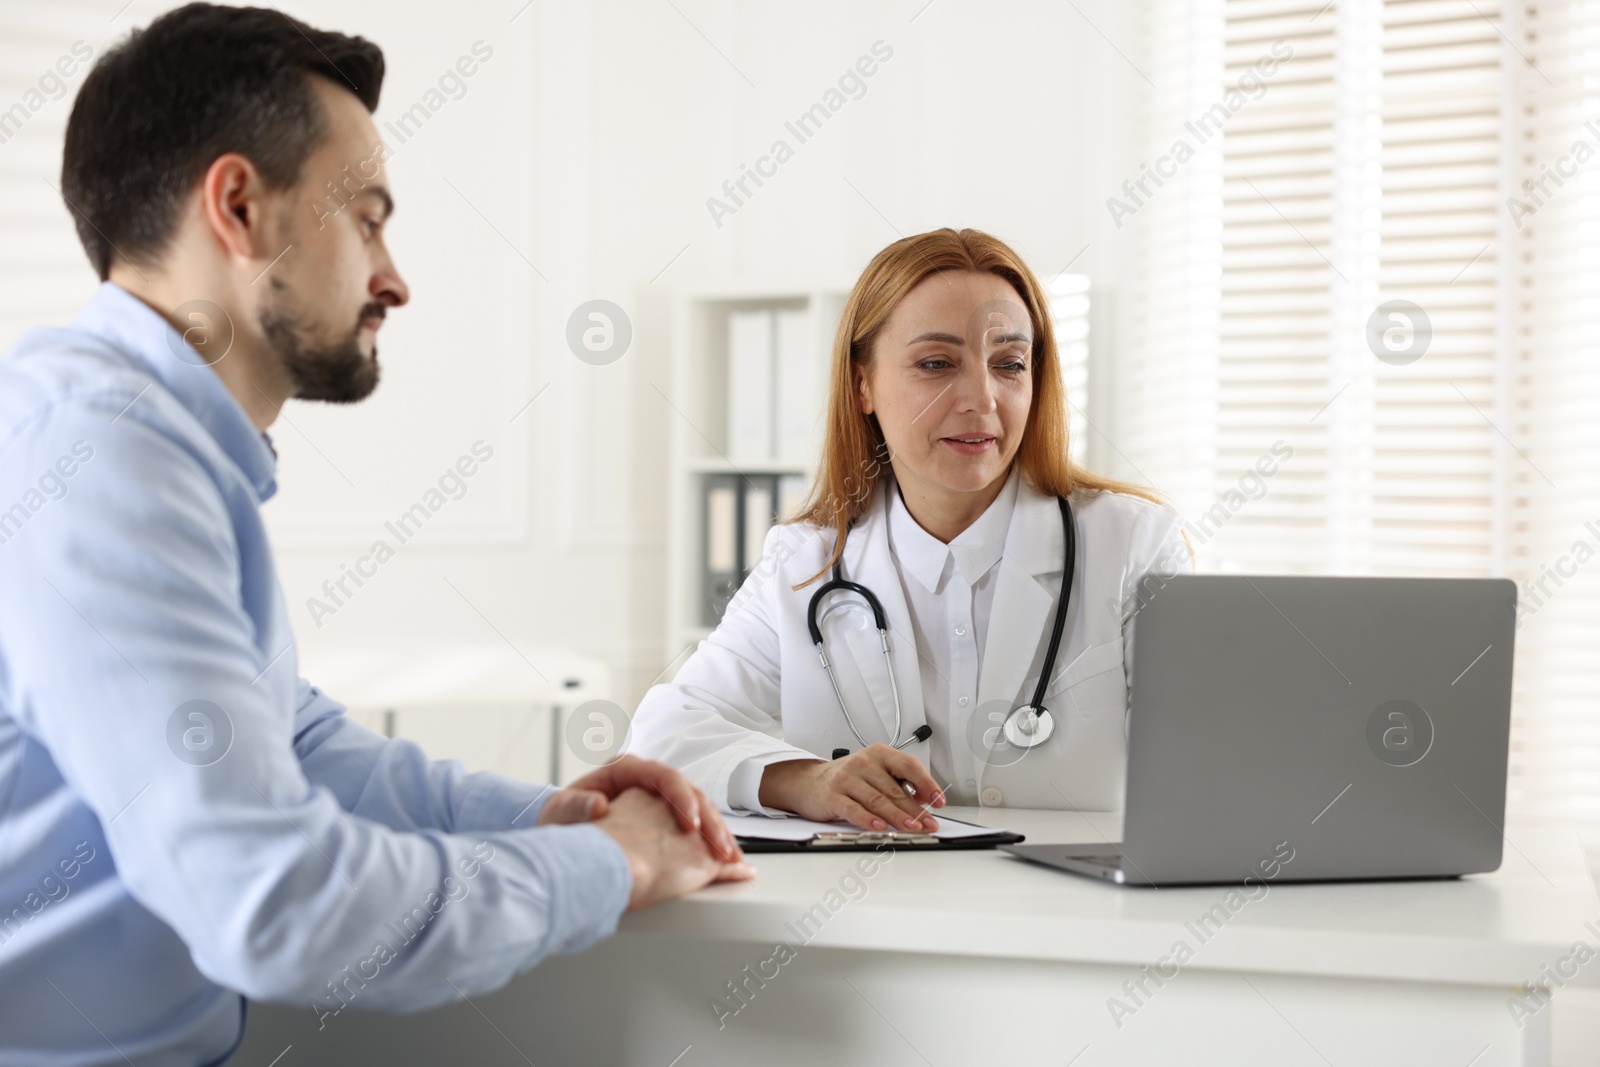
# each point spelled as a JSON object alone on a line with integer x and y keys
{"x": 184, "y": 822}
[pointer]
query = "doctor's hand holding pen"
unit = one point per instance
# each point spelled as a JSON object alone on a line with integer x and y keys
{"x": 875, "y": 788}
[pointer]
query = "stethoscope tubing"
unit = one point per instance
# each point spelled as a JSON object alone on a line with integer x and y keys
{"x": 1039, "y": 725}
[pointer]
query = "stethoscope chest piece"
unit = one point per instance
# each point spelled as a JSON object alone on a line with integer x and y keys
{"x": 1029, "y": 726}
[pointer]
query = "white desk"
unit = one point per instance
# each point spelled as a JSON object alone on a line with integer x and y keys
{"x": 975, "y": 958}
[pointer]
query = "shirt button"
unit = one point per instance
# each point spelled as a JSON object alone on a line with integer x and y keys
{"x": 962, "y": 701}
{"x": 961, "y": 631}
{"x": 991, "y": 797}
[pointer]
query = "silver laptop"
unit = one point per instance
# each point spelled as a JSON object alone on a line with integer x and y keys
{"x": 1311, "y": 729}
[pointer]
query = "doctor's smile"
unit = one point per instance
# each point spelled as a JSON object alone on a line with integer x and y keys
{"x": 970, "y": 446}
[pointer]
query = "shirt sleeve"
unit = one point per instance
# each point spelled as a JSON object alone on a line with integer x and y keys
{"x": 393, "y": 782}
{"x": 744, "y": 785}
{"x": 123, "y": 620}
{"x": 718, "y": 721}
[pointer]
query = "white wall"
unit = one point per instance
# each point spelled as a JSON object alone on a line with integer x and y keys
{"x": 592, "y": 140}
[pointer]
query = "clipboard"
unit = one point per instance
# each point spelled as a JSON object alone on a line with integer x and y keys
{"x": 800, "y": 835}
{"x": 872, "y": 840}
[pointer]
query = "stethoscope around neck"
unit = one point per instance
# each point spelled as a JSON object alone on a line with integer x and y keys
{"x": 1027, "y": 726}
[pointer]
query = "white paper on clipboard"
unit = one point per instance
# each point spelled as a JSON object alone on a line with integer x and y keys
{"x": 798, "y": 829}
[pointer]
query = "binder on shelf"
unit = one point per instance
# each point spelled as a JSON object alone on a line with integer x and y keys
{"x": 801, "y": 371}
{"x": 792, "y": 490}
{"x": 752, "y": 397}
{"x": 760, "y": 504}
{"x": 721, "y": 571}
{"x": 739, "y": 510}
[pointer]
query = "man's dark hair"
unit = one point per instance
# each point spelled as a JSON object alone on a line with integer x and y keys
{"x": 157, "y": 110}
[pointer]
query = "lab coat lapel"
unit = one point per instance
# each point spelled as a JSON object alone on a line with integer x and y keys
{"x": 1021, "y": 611}
{"x": 867, "y": 560}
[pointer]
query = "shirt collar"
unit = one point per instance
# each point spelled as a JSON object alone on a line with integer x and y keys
{"x": 135, "y": 328}
{"x": 975, "y": 550}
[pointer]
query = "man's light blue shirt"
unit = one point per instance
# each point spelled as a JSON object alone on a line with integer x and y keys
{"x": 183, "y": 819}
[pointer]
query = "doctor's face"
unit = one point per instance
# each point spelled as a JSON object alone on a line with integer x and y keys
{"x": 951, "y": 381}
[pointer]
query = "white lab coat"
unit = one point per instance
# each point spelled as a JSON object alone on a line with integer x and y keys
{"x": 755, "y": 689}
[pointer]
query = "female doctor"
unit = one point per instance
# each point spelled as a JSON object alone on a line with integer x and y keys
{"x": 938, "y": 508}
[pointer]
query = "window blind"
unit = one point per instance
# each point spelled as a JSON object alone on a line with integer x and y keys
{"x": 1069, "y": 320}
{"x": 1287, "y": 269}
{"x": 1440, "y": 153}
{"x": 1357, "y": 166}
{"x": 1553, "y": 473}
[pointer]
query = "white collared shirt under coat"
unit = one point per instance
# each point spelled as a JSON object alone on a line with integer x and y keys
{"x": 949, "y": 592}
{"x": 754, "y": 692}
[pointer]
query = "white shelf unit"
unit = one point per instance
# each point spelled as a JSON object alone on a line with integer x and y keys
{"x": 699, "y": 441}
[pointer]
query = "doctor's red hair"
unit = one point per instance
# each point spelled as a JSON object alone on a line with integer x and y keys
{"x": 853, "y": 453}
